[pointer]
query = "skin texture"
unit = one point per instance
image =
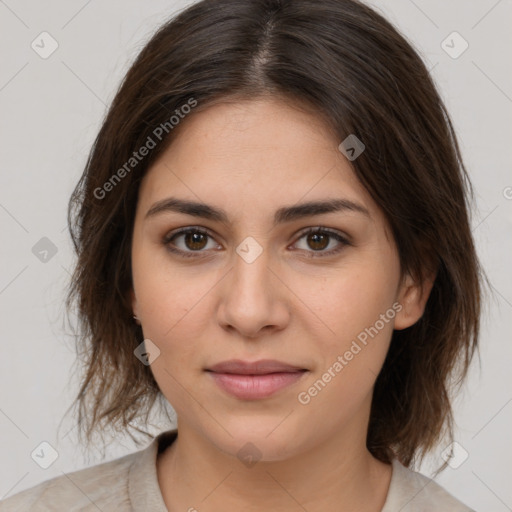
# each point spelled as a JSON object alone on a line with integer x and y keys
{"x": 251, "y": 158}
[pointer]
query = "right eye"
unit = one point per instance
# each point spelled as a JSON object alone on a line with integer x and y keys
{"x": 187, "y": 241}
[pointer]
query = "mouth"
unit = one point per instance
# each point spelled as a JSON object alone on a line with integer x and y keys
{"x": 254, "y": 380}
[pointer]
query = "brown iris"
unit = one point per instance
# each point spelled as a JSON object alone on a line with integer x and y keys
{"x": 195, "y": 241}
{"x": 318, "y": 241}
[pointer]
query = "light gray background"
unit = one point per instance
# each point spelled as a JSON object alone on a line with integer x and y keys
{"x": 51, "y": 110}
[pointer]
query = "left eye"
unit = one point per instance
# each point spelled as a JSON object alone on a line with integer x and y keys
{"x": 319, "y": 239}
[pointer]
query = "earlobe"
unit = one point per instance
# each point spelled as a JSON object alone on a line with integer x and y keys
{"x": 135, "y": 309}
{"x": 133, "y": 301}
{"x": 413, "y": 296}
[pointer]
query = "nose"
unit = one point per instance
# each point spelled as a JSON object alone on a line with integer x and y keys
{"x": 253, "y": 298}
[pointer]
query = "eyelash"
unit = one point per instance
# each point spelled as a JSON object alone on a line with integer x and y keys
{"x": 310, "y": 254}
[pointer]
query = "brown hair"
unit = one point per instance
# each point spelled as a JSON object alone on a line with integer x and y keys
{"x": 350, "y": 65}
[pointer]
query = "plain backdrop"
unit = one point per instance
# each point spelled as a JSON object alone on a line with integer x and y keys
{"x": 51, "y": 109}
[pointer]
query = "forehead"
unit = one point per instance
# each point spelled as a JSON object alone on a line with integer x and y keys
{"x": 262, "y": 152}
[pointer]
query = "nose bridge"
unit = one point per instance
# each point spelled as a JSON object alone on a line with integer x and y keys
{"x": 250, "y": 270}
{"x": 250, "y": 298}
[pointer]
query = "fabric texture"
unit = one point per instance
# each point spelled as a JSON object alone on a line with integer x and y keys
{"x": 130, "y": 484}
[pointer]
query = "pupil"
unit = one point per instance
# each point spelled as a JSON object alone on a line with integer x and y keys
{"x": 195, "y": 241}
{"x": 318, "y": 241}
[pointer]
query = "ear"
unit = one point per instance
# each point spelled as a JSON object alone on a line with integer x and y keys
{"x": 133, "y": 301}
{"x": 412, "y": 296}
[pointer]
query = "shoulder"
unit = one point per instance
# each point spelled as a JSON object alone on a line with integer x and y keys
{"x": 104, "y": 487}
{"x": 411, "y": 491}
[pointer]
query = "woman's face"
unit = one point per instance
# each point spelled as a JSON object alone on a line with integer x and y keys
{"x": 258, "y": 287}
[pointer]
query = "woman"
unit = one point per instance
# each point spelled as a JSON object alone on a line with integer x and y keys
{"x": 272, "y": 236}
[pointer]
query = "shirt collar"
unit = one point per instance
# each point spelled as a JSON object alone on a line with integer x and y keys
{"x": 143, "y": 488}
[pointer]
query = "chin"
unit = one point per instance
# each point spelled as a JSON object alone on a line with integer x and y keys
{"x": 262, "y": 439}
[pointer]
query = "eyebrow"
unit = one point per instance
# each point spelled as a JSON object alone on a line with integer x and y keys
{"x": 282, "y": 215}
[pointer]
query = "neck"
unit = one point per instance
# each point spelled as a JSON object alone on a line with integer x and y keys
{"x": 339, "y": 474}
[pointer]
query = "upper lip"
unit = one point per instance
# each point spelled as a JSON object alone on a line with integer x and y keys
{"x": 261, "y": 367}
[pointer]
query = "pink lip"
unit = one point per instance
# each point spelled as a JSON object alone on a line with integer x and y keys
{"x": 254, "y": 380}
{"x": 261, "y": 367}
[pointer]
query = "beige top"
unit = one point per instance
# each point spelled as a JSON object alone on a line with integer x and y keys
{"x": 130, "y": 484}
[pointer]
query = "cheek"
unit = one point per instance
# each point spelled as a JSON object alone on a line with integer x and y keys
{"x": 359, "y": 310}
{"x": 352, "y": 301}
{"x": 357, "y": 307}
{"x": 173, "y": 304}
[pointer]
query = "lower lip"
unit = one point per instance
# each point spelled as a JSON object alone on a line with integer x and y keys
{"x": 255, "y": 387}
